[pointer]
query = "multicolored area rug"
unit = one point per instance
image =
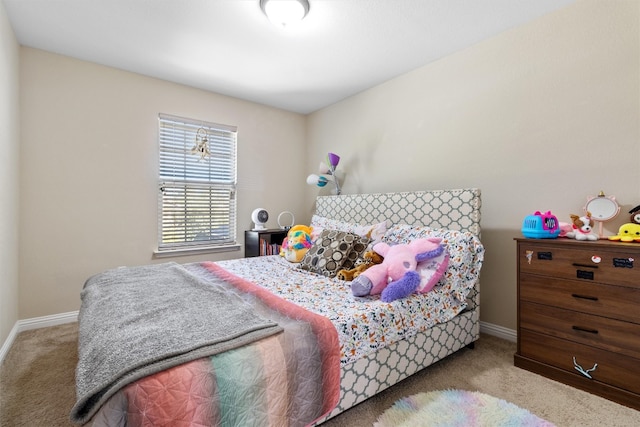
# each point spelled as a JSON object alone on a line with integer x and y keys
{"x": 457, "y": 408}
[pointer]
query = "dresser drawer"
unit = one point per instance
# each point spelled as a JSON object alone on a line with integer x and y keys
{"x": 601, "y": 332}
{"x": 582, "y": 261}
{"x": 615, "y": 302}
{"x": 603, "y": 366}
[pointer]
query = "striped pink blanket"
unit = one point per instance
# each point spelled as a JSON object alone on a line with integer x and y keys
{"x": 288, "y": 379}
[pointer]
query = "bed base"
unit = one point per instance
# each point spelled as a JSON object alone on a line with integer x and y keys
{"x": 374, "y": 373}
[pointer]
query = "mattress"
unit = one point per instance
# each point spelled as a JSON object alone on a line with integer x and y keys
{"x": 366, "y": 325}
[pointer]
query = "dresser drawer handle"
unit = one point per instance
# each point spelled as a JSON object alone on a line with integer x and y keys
{"x": 582, "y": 370}
{"x": 585, "y": 297}
{"x": 583, "y": 329}
{"x": 577, "y": 264}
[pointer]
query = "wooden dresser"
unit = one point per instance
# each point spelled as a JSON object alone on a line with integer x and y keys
{"x": 579, "y": 315}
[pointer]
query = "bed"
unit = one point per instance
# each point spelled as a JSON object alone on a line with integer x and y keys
{"x": 158, "y": 344}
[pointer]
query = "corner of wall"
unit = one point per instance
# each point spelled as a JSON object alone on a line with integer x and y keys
{"x": 9, "y": 176}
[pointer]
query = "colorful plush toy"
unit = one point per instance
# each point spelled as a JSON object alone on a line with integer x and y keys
{"x": 297, "y": 243}
{"x": 396, "y": 277}
{"x": 582, "y": 227}
{"x": 629, "y": 232}
{"x": 369, "y": 258}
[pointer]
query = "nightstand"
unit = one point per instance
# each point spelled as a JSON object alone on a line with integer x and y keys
{"x": 579, "y": 315}
{"x": 263, "y": 242}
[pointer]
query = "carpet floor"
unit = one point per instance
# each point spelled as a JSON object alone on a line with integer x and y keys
{"x": 37, "y": 385}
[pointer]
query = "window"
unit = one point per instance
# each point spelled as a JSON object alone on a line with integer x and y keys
{"x": 197, "y": 193}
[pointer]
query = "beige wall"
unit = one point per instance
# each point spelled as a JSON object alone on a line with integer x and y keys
{"x": 9, "y": 156}
{"x": 89, "y": 170}
{"x": 538, "y": 118}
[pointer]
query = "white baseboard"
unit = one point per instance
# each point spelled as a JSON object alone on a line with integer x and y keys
{"x": 499, "y": 331}
{"x": 46, "y": 321}
{"x": 35, "y": 323}
{"x": 72, "y": 316}
{"x": 8, "y": 342}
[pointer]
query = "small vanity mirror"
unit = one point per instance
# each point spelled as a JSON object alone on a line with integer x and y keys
{"x": 602, "y": 208}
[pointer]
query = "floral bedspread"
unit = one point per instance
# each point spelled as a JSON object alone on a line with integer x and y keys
{"x": 364, "y": 324}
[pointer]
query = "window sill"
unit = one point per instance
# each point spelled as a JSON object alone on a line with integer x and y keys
{"x": 194, "y": 251}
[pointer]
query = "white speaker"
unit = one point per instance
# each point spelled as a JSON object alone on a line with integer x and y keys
{"x": 259, "y": 217}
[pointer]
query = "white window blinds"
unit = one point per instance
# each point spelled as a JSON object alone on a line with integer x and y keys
{"x": 197, "y": 194}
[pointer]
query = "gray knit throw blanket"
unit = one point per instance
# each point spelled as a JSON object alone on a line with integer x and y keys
{"x": 137, "y": 321}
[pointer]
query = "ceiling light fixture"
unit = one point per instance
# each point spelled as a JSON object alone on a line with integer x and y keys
{"x": 284, "y": 13}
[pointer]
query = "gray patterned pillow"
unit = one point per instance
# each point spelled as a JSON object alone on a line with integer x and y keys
{"x": 330, "y": 251}
{"x": 360, "y": 246}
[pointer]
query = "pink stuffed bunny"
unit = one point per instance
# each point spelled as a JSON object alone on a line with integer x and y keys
{"x": 396, "y": 277}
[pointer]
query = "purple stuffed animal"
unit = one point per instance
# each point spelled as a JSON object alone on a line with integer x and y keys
{"x": 396, "y": 277}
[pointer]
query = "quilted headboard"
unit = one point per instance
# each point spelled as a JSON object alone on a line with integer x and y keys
{"x": 451, "y": 209}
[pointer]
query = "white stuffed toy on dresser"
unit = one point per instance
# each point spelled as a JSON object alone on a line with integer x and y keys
{"x": 582, "y": 227}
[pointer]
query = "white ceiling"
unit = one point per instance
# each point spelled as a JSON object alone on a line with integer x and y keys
{"x": 341, "y": 48}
